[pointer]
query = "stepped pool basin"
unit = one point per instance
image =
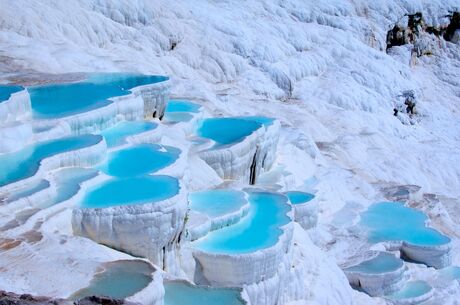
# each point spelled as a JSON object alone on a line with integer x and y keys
{"x": 25, "y": 162}
{"x": 139, "y": 160}
{"x": 64, "y": 99}
{"x": 297, "y": 197}
{"x": 69, "y": 180}
{"x": 119, "y": 280}
{"x": 28, "y": 190}
{"x": 7, "y": 90}
{"x": 225, "y": 131}
{"x": 182, "y": 106}
{"x": 117, "y": 134}
{"x": 260, "y": 229}
{"x": 381, "y": 263}
{"x": 181, "y": 293}
{"x": 215, "y": 203}
{"x": 180, "y": 111}
{"x": 412, "y": 290}
{"x": 450, "y": 273}
{"x": 392, "y": 221}
{"x": 131, "y": 191}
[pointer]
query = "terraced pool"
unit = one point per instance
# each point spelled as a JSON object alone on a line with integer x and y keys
{"x": 297, "y": 197}
{"x": 180, "y": 293}
{"x": 216, "y": 203}
{"x": 117, "y": 134}
{"x": 7, "y": 90}
{"x": 226, "y": 131}
{"x": 381, "y": 263}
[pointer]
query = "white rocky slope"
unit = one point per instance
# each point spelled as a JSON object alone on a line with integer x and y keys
{"x": 317, "y": 66}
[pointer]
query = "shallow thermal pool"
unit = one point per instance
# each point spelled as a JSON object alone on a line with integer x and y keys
{"x": 180, "y": 293}
{"x": 412, "y": 289}
{"x": 7, "y": 90}
{"x": 216, "y": 203}
{"x": 450, "y": 273}
{"x": 117, "y": 134}
{"x": 258, "y": 230}
{"x": 139, "y": 159}
{"x": 27, "y": 190}
{"x": 69, "y": 180}
{"x": 25, "y": 162}
{"x": 381, "y": 263}
{"x": 180, "y": 111}
{"x": 130, "y": 191}
{"x": 297, "y": 197}
{"x": 63, "y": 99}
{"x": 119, "y": 280}
{"x": 392, "y": 221}
{"x": 226, "y": 131}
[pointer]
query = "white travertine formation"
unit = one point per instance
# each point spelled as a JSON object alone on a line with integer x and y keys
{"x": 306, "y": 214}
{"x": 155, "y": 97}
{"x": 375, "y": 283}
{"x": 246, "y": 159}
{"x": 86, "y": 156}
{"x": 16, "y": 108}
{"x": 244, "y": 269}
{"x": 148, "y": 230}
{"x": 439, "y": 256}
{"x": 14, "y": 136}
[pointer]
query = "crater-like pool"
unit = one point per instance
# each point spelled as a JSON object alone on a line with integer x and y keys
{"x": 139, "y": 160}
{"x": 226, "y": 131}
{"x": 297, "y": 197}
{"x": 216, "y": 203}
{"x": 180, "y": 293}
{"x": 260, "y": 229}
{"x": 413, "y": 289}
{"x": 59, "y": 100}
{"x": 117, "y": 134}
{"x": 130, "y": 191}
{"x": 25, "y": 162}
{"x": 118, "y": 280}
{"x": 392, "y": 221}
{"x": 381, "y": 263}
{"x": 7, "y": 90}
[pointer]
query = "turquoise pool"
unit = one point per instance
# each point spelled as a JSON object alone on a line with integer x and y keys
{"x": 59, "y": 100}
{"x": 28, "y": 190}
{"x": 25, "y": 162}
{"x": 130, "y": 191}
{"x": 119, "y": 280}
{"x": 216, "y": 203}
{"x": 259, "y": 119}
{"x": 116, "y": 135}
{"x": 382, "y": 263}
{"x": 226, "y": 131}
{"x": 258, "y": 230}
{"x": 392, "y": 221}
{"x": 412, "y": 289}
{"x": 297, "y": 197}
{"x": 450, "y": 273}
{"x": 182, "y": 106}
{"x": 7, "y": 90}
{"x": 69, "y": 180}
{"x": 139, "y": 160}
{"x": 180, "y": 293}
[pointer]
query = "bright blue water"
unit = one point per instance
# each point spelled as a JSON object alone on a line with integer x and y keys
{"x": 412, "y": 289}
{"x": 119, "y": 281}
{"x": 7, "y": 90}
{"x": 116, "y": 135}
{"x": 59, "y": 100}
{"x": 382, "y": 263}
{"x": 25, "y": 162}
{"x": 182, "y": 106}
{"x": 227, "y": 130}
{"x": 139, "y": 160}
{"x": 176, "y": 117}
{"x": 451, "y": 273}
{"x": 259, "y": 119}
{"x": 297, "y": 197}
{"x": 29, "y": 190}
{"x": 392, "y": 221}
{"x": 179, "y": 293}
{"x": 69, "y": 180}
{"x": 131, "y": 191}
{"x": 258, "y": 230}
{"x": 217, "y": 202}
